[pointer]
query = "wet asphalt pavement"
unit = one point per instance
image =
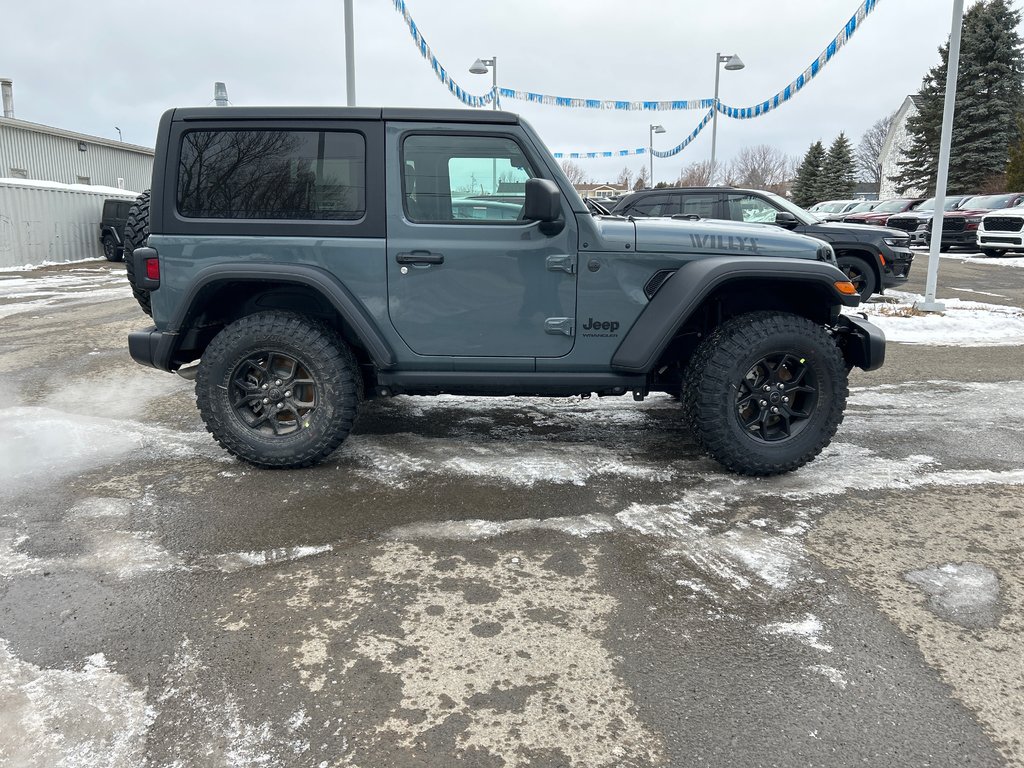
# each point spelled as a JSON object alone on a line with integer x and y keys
{"x": 507, "y": 582}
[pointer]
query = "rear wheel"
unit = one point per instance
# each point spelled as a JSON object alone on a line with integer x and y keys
{"x": 278, "y": 390}
{"x": 860, "y": 273}
{"x": 765, "y": 393}
{"x": 111, "y": 251}
{"x": 136, "y": 235}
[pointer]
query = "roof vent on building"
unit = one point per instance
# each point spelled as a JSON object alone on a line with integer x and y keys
{"x": 7, "y": 87}
{"x": 220, "y": 94}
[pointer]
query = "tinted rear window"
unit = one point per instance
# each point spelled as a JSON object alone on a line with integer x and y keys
{"x": 266, "y": 174}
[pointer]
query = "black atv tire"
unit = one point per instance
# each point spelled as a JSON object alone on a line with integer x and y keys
{"x": 136, "y": 235}
{"x": 278, "y": 390}
{"x": 111, "y": 250}
{"x": 859, "y": 272}
{"x": 723, "y": 389}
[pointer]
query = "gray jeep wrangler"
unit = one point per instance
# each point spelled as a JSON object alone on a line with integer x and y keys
{"x": 310, "y": 258}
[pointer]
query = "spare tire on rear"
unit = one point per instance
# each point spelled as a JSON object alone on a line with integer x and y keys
{"x": 136, "y": 235}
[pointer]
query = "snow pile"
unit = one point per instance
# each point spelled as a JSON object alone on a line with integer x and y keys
{"x": 964, "y": 323}
{"x": 974, "y": 258}
{"x": 966, "y": 594}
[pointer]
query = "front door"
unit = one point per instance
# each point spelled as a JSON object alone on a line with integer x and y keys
{"x": 467, "y": 276}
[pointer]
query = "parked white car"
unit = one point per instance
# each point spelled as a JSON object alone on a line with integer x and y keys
{"x": 1002, "y": 231}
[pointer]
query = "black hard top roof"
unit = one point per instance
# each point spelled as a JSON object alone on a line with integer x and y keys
{"x": 346, "y": 113}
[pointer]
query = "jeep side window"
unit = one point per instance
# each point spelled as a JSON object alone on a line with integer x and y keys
{"x": 272, "y": 174}
{"x": 464, "y": 179}
{"x": 750, "y": 208}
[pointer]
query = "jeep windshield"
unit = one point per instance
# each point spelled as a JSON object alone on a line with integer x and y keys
{"x": 988, "y": 202}
{"x": 951, "y": 204}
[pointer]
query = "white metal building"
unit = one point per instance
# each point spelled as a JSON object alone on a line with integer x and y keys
{"x": 45, "y": 222}
{"x": 41, "y": 152}
{"x": 52, "y": 186}
{"x": 895, "y": 147}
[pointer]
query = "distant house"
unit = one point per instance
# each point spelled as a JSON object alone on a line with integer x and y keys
{"x": 598, "y": 191}
{"x": 894, "y": 149}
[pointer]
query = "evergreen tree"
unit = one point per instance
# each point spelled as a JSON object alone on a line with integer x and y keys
{"x": 808, "y": 177}
{"x": 1015, "y": 168}
{"x": 990, "y": 96}
{"x": 839, "y": 171}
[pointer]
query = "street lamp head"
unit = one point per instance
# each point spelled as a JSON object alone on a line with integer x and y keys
{"x": 734, "y": 63}
{"x": 479, "y": 67}
{"x": 658, "y": 128}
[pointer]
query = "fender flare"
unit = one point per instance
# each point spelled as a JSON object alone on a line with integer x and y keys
{"x": 682, "y": 294}
{"x": 321, "y": 281}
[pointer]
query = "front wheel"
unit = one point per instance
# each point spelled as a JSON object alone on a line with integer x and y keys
{"x": 992, "y": 253}
{"x": 278, "y": 390}
{"x": 859, "y": 272}
{"x": 765, "y": 393}
{"x": 111, "y": 251}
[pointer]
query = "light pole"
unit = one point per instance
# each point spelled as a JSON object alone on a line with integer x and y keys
{"x": 118, "y": 133}
{"x": 480, "y": 67}
{"x": 650, "y": 148}
{"x": 732, "y": 63}
{"x": 350, "y": 57}
{"x": 945, "y": 139}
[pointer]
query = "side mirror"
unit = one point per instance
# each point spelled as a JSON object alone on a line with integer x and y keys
{"x": 785, "y": 219}
{"x": 543, "y": 201}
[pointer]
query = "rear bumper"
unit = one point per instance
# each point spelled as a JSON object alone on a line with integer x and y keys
{"x": 152, "y": 348}
{"x": 861, "y": 342}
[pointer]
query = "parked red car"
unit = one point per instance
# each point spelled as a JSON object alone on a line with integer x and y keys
{"x": 960, "y": 227}
{"x": 884, "y": 210}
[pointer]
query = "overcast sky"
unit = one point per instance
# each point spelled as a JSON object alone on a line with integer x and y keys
{"x": 90, "y": 66}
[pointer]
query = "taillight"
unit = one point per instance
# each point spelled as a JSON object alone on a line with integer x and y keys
{"x": 153, "y": 269}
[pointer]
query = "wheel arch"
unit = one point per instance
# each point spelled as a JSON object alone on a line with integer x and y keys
{"x": 703, "y": 294}
{"x": 220, "y": 295}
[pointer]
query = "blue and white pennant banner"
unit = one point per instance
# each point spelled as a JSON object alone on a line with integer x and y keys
{"x": 739, "y": 113}
{"x": 640, "y": 150}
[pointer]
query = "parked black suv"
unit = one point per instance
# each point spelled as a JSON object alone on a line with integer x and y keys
{"x": 309, "y": 258}
{"x": 874, "y": 258}
{"x": 115, "y": 216}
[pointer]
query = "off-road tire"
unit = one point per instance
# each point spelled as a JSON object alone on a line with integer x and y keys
{"x": 111, "y": 252}
{"x": 860, "y": 273}
{"x": 716, "y": 372}
{"x": 330, "y": 364}
{"x": 136, "y": 235}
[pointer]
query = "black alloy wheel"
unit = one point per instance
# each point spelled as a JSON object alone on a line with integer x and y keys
{"x": 859, "y": 273}
{"x": 777, "y": 397}
{"x": 111, "y": 251}
{"x": 273, "y": 393}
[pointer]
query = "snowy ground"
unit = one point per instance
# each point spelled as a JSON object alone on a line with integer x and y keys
{"x": 507, "y": 581}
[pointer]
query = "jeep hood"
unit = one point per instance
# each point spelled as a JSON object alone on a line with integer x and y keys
{"x": 719, "y": 238}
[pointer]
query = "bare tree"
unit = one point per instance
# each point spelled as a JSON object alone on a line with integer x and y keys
{"x": 869, "y": 151}
{"x": 695, "y": 175}
{"x": 625, "y": 178}
{"x": 762, "y": 167}
{"x": 574, "y": 172}
{"x": 643, "y": 179}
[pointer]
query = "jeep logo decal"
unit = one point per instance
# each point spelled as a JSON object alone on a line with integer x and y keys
{"x": 601, "y": 327}
{"x": 724, "y": 243}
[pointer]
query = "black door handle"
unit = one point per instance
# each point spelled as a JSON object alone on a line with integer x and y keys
{"x": 420, "y": 257}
